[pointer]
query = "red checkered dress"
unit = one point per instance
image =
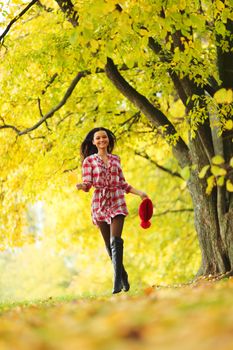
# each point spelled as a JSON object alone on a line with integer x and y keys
{"x": 109, "y": 182}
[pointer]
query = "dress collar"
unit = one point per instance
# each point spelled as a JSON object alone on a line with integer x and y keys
{"x": 100, "y": 160}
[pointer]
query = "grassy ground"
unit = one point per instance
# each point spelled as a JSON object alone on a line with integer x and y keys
{"x": 197, "y": 316}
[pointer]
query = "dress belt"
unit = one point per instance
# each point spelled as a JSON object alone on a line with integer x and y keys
{"x": 105, "y": 194}
{"x": 107, "y": 187}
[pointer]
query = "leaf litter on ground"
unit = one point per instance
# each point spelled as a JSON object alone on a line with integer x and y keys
{"x": 199, "y": 315}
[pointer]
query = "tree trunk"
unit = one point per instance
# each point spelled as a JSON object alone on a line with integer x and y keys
{"x": 214, "y": 250}
{"x": 209, "y": 215}
{"x": 228, "y": 232}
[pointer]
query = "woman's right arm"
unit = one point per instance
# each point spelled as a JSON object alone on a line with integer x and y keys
{"x": 86, "y": 176}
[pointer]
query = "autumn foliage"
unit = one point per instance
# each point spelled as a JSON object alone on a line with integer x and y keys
{"x": 158, "y": 82}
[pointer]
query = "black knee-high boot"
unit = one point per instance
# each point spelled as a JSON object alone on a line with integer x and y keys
{"x": 117, "y": 256}
{"x": 124, "y": 274}
{"x": 117, "y": 259}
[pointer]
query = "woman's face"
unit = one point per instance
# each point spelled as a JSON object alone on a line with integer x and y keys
{"x": 101, "y": 140}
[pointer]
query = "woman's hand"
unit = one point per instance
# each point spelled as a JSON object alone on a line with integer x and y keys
{"x": 79, "y": 186}
{"x": 143, "y": 195}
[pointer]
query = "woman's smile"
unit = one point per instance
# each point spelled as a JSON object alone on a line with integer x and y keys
{"x": 101, "y": 139}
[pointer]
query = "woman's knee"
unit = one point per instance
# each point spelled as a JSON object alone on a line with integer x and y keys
{"x": 117, "y": 225}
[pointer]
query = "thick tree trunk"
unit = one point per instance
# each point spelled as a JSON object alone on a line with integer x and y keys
{"x": 208, "y": 218}
{"x": 217, "y": 254}
{"x": 214, "y": 250}
{"x": 211, "y": 219}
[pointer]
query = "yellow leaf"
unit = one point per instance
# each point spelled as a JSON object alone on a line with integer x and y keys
{"x": 218, "y": 160}
{"x": 219, "y": 96}
{"x": 220, "y": 5}
{"x": 220, "y": 181}
{"x": 210, "y": 184}
{"x": 231, "y": 162}
{"x": 217, "y": 171}
{"x": 94, "y": 45}
{"x": 203, "y": 171}
{"x": 229, "y": 96}
{"x": 229, "y": 186}
{"x": 185, "y": 173}
{"x": 182, "y": 4}
{"x": 223, "y": 96}
{"x": 144, "y": 32}
{"x": 229, "y": 125}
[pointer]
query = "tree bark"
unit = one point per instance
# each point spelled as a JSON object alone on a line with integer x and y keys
{"x": 215, "y": 255}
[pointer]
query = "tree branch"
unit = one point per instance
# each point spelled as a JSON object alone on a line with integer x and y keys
{"x": 52, "y": 111}
{"x": 180, "y": 149}
{"x": 174, "y": 211}
{"x": 210, "y": 89}
{"x": 185, "y": 89}
{"x": 49, "y": 83}
{"x": 61, "y": 104}
{"x": 170, "y": 172}
{"x": 47, "y": 9}
{"x": 7, "y": 126}
{"x": 56, "y": 108}
{"x": 15, "y": 19}
{"x": 191, "y": 88}
{"x": 67, "y": 8}
{"x": 166, "y": 57}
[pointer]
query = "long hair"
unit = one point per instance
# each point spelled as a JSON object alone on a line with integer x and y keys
{"x": 87, "y": 148}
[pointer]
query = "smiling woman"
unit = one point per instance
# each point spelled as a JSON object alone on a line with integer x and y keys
{"x": 102, "y": 170}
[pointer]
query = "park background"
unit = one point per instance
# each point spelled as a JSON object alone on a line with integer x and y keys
{"x": 53, "y": 263}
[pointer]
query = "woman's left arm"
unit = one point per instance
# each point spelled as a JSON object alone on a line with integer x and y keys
{"x": 133, "y": 190}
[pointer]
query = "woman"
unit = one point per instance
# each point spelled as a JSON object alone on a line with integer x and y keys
{"x": 102, "y": 170}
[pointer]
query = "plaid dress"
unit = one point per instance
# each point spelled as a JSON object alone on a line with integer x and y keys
{"x": 110, "y": 185}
